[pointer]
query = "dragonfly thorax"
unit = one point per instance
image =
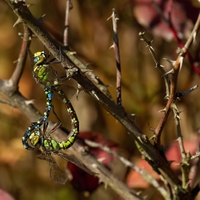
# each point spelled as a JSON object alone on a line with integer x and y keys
{"x": 40, "y": 57}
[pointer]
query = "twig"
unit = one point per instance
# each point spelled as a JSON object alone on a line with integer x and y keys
{"x": 22, "y": 57}
{"x": 176, "y": 67}
{"x": 185, "y": 163}
{"x": 11, "y": 86}
{"x": 89, "y": 161}
{"x": 174, "y": 32}
{"x": 65, "y": 36}
{"x": 119, "y": 113}
{"x": 166, "y": 110}
{"x": 89, "y": 73}
{"x": 77, "y": 62}
{"x": 151, "y": 154}
{"x": 180, "y": 94}
{"x": 150, "y": 179}
{"x": 117, "y": 58}
{"x": 197, "y": 155}
{"x": 193, "y": 35}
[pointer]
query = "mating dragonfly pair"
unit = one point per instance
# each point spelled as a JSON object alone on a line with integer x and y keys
{"x": 48, "y": 78}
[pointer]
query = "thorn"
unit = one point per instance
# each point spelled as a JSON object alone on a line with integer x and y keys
{"x": 170, "y": 61}
{"x": 79, "y": 89}
{"x": 109, "y": 18}
{"x": 189, "y": 154}
{"x": 180, "y": 94}
{"x": 166, "y": 97}
{"x": 153, "y": 137}
{"x": 159, "y": 65}
{"x": 73, "y": 52}
{"x": 163, "y": 110}
{"x": 16, "y": 61}
{"x": 194, "y": 36}
{"x": 28, "y": 102}
{"x": 16, "y": 1}
{"x": 139, "y": 193}
{"x": 20, "y": 34}
{"x": 179, "y": 50}
{"x": 141, "y": 33}
{"x": 181, "y": 63}
{"x": 70, "y": 72}
{"x": 66, "y": 50}
{"x": 113, "y": 12}
{"x": 112, "y": 46}
{"x": 17, "y": 22}
{"x": 177, "y": 116}
{"x": 101, "y": 159}
{"x": 169, "y": 72}
{"x": 94, "y": 165}
{"x": 85, "y": 70}
{"x": 41, "y": 18}
{"x": 95, "y": 95}
{"x": 132, "y": 117}
{"x": 149, "y": 44}
{"x": 29, "y": 5}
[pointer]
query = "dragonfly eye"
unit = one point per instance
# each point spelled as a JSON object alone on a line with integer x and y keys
{"x": 40, "y": 57}
{"x": 34, "y": 138}
{"x": 36, "y": 59}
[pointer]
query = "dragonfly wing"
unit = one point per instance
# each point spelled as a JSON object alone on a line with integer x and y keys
{"x": 75, "y": 161}
{"x": 44, "y": 156}
{"x": 56, "y": 173}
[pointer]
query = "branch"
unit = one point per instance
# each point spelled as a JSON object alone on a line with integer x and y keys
{"x": 117, "y": 58}
{"x": 150, "y": 153}
{"x": 65, "y": 35}
{"x": 150, "y": 179}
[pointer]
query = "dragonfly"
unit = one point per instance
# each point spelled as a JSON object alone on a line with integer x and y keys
{"x": 48, "y": 147}
{"x": 48, "y": 78}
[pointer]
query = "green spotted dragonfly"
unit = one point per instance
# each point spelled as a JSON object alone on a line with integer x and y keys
{"x": 48, "y": 78}
{"x": 48, "y": 147}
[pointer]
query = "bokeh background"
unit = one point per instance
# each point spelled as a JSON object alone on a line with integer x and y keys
{"x": 90, "y": 36}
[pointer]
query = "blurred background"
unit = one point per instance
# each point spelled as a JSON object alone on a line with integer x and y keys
{"x": 90, "y": 36}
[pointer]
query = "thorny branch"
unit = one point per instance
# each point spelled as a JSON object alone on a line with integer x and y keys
{"x": 117, "y": 58}
{"x": 150, "y": 179}
{"x": 174, "y": 32}
{"x": 171, "y": 79}
{"x": 150, "y": 153}
{"x": 166, "y": 110}
{"x": 17, "y": 100}
{"x": 98, "y": 83}
{"x": 66, "y": 29}
{"x": 185, "y": 164}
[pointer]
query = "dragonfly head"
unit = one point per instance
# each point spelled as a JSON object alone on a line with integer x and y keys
{"x": 40, "y": 57}
{"x": 35, "y": 138}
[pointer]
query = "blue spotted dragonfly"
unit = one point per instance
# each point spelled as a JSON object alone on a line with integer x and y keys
{"x": 48, "y": 146}
{"x": 46, "y": 76}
